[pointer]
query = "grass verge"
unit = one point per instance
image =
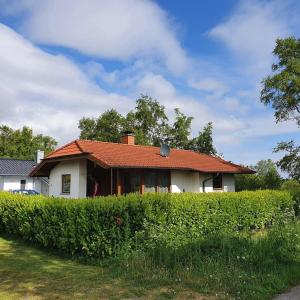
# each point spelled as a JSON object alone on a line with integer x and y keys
{"x": 228, "y": 267}
{"x": 28, "y": 272}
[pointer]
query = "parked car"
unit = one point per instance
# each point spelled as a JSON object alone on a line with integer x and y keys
{"x": 25, "y": 192}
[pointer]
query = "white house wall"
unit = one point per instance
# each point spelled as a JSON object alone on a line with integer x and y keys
{"x": 184, "y": 181}
{"x": 8, "y": 183}
{"x": 1, "y": 183}
{"x": 37, "y": 184}
{"x": 228, "y": 183}
{"x": 187, "y": 181}
{"x": 77, "y": 170}
{"x": 82, "y": 178}
{"x": 14, "y": 183}
{"x": 44, "y": 188}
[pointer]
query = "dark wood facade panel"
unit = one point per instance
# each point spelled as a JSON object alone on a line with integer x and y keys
{"x": 102, "y": 182}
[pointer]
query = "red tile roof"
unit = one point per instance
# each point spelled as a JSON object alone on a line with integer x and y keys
{"x": 115, "y": 155}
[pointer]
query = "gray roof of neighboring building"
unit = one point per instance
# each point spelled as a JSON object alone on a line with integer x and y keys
{"x": 9, "y": 166}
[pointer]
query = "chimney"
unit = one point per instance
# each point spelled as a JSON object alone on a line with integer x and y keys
{"x": 39, "y": 156}
{"x": 128, "y": 137}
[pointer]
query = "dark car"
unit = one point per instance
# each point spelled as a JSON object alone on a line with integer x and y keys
{"x": 25, "y": 192}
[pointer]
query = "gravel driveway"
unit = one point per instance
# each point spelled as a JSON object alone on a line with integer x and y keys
{"x": 292, "y": 294}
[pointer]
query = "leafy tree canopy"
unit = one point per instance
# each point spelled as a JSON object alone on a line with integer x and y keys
{"x": 290, "y": 163}
{"x": 106, "y": 128}
{"x": 267, "y": 177}
{"x": 204, "y": 142}
{"x": 22, "y": 143}
{"x": 180, "y": 131}
{"x": 151, "y": 127}
{"x": 282, "y": 91}
{"x": 149, "y": 118}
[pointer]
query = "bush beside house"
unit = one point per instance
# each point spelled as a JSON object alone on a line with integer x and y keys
{"x": 293, "y": 187}
{"x": 107, "y": 226}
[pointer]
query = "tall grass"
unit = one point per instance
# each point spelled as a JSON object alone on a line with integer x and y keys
{"x": 237, "y": 266}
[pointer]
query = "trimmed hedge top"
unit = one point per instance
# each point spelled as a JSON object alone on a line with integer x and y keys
{"x": 105, "y": 226}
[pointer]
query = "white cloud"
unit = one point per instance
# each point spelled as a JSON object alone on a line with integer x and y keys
{"x": 108, "y": 29}
{"x": 167, "y": 94}
{"x": 47, "y": 92}
{"x": 97, "y": 70}
{"x": 234, "y": 104}
{"x": 209, "y": 85}
{"x": 228, "y": 129}
{"x": 256, "y": 127}
{"x": 159, "y": 87}
{"x": 250, "y": 32}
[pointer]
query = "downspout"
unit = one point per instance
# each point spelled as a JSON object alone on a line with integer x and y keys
{"x": 204, "y": 181}
{"x": 111, "y": 181}
{"x": 44, "y": 180}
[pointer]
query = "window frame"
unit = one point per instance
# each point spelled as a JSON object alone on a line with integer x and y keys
{"x": 160, "y": 177}
{"x": 221, "y": 181}
{"x": 23, "y": 183}
{"x": 154, "y": 178}
{"x": 63, "y": 191}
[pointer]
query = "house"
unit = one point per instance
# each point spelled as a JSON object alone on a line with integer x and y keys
{"x": 85, "y": 168}
{"x": 14, "y": 175}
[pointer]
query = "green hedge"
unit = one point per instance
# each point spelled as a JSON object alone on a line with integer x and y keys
{"x": 293, "y": 187}
{"x": 107, "y": 225}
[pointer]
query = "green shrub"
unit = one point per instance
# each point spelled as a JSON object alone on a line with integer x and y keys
{"x": 111, "y": 225}
{"x": 293, "y": 186}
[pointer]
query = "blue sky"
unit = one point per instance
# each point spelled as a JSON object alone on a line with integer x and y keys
{"x": 61, "y": 60}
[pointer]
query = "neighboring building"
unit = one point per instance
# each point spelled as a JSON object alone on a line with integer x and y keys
{"x": 86, "y": 168}
{"x": 14, "y": 175}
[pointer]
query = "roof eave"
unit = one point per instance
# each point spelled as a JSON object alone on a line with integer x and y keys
{"x": 27, "y": 175}
{"x": 53, "y": 160}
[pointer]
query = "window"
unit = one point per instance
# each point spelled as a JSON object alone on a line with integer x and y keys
{"x": 163, "y": 182}
{"x": 132, "y": 182}
{"x": 66, "y": 184}
{"x": 135, "y": 182}
{"x": 217, "y": 181}
{"x": 150, "y": 182}
{"x": 23, "y": 184}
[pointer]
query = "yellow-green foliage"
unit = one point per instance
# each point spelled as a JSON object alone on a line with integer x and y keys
{"x": 108, "y": 225}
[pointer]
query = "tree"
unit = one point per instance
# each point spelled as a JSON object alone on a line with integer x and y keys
{"x": 290, "y": 163}
{"x": 204, "y": 141}
{"x": 148, "y": 121}
{"x": 150, "y": 118}
{"x": 22, "y": 144}
{"x": 151, "y": 126}
{"x": 266, "y": 177}
{"x": 87, "y": 128}
{"x": 107, "y": 127}
{"x": 180, "y": 131}
{"x": 282, "y": 92}
{"x": 248, "y": 182}
{"x": 267, "y": 170}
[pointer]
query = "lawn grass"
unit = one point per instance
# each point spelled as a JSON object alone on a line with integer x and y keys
{"x": 29, "y": 272}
